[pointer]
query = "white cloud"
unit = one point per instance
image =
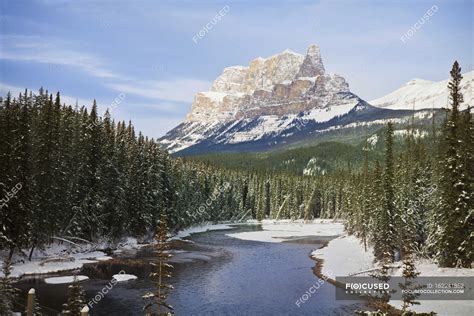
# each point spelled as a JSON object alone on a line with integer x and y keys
{"x": 50, "y": 51}
{"x": 173, "y": 90}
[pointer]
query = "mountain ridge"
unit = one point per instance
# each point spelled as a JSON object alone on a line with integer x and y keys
{"x": 425, "y": 94}
{"x": 287, "y": 98}
{"x": 268, "y": 98}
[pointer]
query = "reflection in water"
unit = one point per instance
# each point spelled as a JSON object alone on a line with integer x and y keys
{"x": 214, "y": 275}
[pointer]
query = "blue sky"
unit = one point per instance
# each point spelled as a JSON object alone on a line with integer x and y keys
{"x": 145, "y": 49}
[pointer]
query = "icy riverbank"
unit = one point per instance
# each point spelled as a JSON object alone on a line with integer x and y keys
{"x": 64, "y": 256}
{"x": 199, "y": 229}
{"x": 278, "y": 231}
{"x": 55, "y": 258}
{"x": 346, "y": 256}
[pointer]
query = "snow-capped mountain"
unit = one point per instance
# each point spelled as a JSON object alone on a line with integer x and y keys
{"x": 273, "y": 101}
{"x": 425, "y": 94}
{"x": 283, "y": 84}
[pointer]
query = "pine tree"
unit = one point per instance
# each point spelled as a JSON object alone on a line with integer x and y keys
{"x": 376, "y": 191}
{"x": 467, "y": 154}
{"x": 8, "y": 293}
{"x": 261, "y": 202}
{"x": 409, "y": 273}
{"x": 453, "y": 216}
{"x": 45, "y": 170}
{"x": 158, "y": 305}
{"x": 383, "y": 247}
{"x": 310, "y": 206}
{"x": 366, "y": 201}
{"x": 267, "y": 207}
{"x": 382, "y": 300}
{"x": 76, "y": 299}
{"x": 15, "y": 183}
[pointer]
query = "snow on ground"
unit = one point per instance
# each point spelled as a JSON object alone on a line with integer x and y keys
{"x": 128, "y": 243}
{"x": 65, "y": 279}
{"x": 56, "y": 257}
{"x": 122, "y": 277}
{"x": 441, "y": 308}
{"x": 278, "y": 231}
{"x": 346, "y": 255}
{"x": 53, "y": 264}
{"x": 428, "y": 268}
{"x": 199, "y": 229}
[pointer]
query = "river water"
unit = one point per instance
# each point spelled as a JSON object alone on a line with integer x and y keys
{"x": 214, "y": 275}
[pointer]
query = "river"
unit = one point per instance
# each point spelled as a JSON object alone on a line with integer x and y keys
{"x": 214, "y": 275}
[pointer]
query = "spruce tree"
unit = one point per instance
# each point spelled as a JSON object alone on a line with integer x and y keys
{"x": 310, "y": 206}
{"x": 409, "y": 273}
{"x": 453, "y": 215}
{"x": 76, "y": 299}
{"x": 267, "y": 207}
{"x": 45, "y": 170}
{"x": 8, "y": 293}
{"x": 366, "y": 202}
{"x": 384, "y": 220}
{"x": 261, "y": 202}
{"x": 382, "y": 299}
{"x": 158, "y": 305}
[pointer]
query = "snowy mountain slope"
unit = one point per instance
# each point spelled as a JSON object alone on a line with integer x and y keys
{"x": 272, "y": 99}
{"x": 265, "y": 133}
{"x": 425, "y": 94}
{"x": 285, "y": 100}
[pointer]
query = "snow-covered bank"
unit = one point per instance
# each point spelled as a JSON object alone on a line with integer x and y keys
{"x": 199, "y": 229}
{"x": 52, "y": 263}
{"x": 278, "y": 231}
{"x": 56, "y": 257}
{"x": 66, "y": 256}
{"x": 65, "y": 279}
{"x": 345, "y": 256}
{"x": 124, "y": 277}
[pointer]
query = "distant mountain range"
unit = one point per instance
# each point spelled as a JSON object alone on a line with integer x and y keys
{"x": 425, "y": 94}
{"x": 289, "y": 100}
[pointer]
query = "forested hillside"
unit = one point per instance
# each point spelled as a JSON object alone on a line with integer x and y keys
{"x": 327, "y": 157}
{"x": 414, "y": 202}
{"x": 68, "y": 172}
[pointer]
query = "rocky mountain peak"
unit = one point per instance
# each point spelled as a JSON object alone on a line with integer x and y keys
{"x": 284, "y": 83}
{"x": 313, "y": 64}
